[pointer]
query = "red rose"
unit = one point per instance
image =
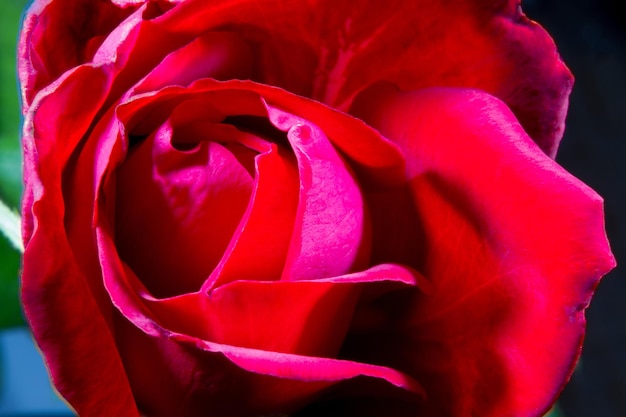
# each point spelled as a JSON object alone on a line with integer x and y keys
{"x": 241, "y": 208}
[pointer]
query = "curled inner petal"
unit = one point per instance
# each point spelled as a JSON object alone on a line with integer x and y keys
{"x": 331, "y": 233}
{"x": 177, "y": 210}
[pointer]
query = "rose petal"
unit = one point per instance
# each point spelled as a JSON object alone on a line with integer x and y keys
{"x": 377, "y": 161}
{"x": 341, "y": 50}
{"x": 177, "y": 210}
{"x": 52, "y": 272}
{"x": 395, "y": 226}
{"x": 236, "y": 381}
{"x": 47, "y": 24}
{"x": 332, "y": 51}
{"x": 68, "y": 275}
{"x": 266, "y": 372}
{"x": 252, "y": 313}
{"x": 72, "y": 361}
{"x": 259, "y": 246}
{"x": 515, "y": 246}
{"x": 270, "y": 215}
{"x": 330, "y": 235}
{"x": 318, "y": 164}
{"x": 219, "y": 55}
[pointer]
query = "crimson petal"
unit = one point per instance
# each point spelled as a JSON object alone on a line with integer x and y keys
{"x": 514, "y": 247}
{"x": 237, "y": 381}
{"x": 81, "y": 28}
{"x": 298, "y": 378}
{"x": 330, "y": 235}
{"x": 331, "y": 51}
{"x": 180, "y": 208}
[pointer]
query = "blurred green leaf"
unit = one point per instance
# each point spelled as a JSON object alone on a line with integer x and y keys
{"x": 10, "y": 226}
{"x": 10, "y": 171}
{"x": 10, "y": 313}
{"x": 10, "y": 17}
{"x": 555, "y": 412}
{"x": 10, "y": 157}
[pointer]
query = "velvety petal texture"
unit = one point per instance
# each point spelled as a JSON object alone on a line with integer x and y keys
{"x": 329, "y": 50}
{"x": 505, "y": 317}
{"x": 243, "y": 208}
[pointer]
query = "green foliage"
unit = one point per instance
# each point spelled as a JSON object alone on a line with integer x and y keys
{"x": 10, "y": 162}
{"x": 10, "y": 226}
{"x": 555, "y": 412}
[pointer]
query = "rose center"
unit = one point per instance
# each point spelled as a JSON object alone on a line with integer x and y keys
{"x": 181, "y": 195}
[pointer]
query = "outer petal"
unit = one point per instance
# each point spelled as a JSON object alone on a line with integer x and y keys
{"x": 59, "y": 167}
{"x": 219, "y": 55}
{"x": 82, "y": 347}
{"x": 56, "y": 38}
{"x": 513, "y": 246}
{"x": 231, "y": 381}
{"x": 329, "y": 50}
{"x": 77, "y": 343}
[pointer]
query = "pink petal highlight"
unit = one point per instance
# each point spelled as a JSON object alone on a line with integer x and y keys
{"x": 330, "y": 235}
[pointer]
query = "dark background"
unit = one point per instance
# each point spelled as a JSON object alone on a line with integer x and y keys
{"x": 591, "y": 37}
